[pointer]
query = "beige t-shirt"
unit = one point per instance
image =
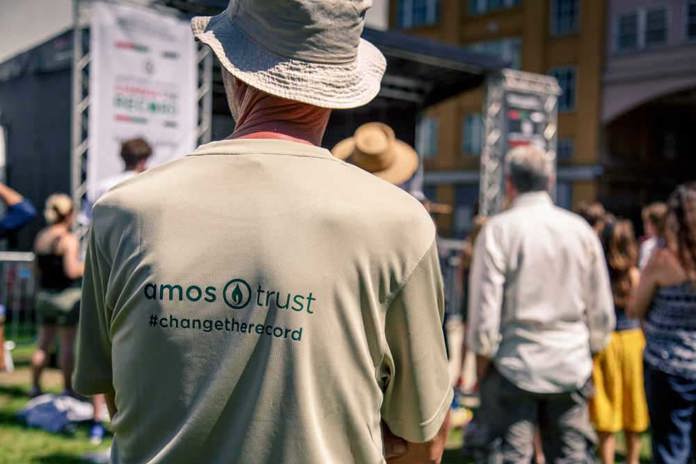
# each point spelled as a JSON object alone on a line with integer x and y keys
{"x": 260, "y": 301}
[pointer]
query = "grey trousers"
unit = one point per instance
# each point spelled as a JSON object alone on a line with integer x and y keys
{"x": 505, "y": 424}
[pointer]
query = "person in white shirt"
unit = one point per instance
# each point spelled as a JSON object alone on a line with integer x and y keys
{"x": 540, "y": 304}
{"x": 135, "y": 154}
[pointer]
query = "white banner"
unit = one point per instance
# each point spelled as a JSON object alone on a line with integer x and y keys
{"x": 142, "y": 84}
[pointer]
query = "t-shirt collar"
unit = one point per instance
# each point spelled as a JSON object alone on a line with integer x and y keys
{"x": 261, "y": 146}
{"x": 532, "y": 199}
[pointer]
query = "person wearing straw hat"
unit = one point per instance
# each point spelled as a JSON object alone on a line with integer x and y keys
{"x": 261, "y": 300}
{"x": 375, "y": 149}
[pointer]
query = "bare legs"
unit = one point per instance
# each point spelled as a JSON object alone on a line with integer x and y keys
{"x": 607, "y": 447}
{"x": 539, "y": 457}
{"x": 632, "y": 447}
{"x": 67, "y": 355}
{"x": 47, "y": 336}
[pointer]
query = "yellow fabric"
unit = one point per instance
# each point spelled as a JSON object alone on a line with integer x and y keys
{"x": 262, "y": 302}
{"x": 619, "y": 402}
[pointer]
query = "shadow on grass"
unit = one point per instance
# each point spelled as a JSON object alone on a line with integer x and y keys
{"x": 14, "y": 391}
{"x": 58, "y": 458}
{"x": 620, "y": 457}
{"x": 455, "y": 456}
{"x": 7, "y": 418}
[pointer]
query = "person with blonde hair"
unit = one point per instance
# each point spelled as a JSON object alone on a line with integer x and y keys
{"x": 666, "y": 301}
{"x": 59, "y": 271}
{"x": 619, "y": 403}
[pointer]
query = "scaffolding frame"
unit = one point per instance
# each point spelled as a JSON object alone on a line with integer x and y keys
{"x": 79, "y": 145}
{"x": 495, "y": 129}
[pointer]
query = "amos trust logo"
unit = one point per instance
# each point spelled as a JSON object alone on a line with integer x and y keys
{"x": 236, "y": 293}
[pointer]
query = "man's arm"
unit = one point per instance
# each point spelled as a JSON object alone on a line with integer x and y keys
{"x": 599, "y": 300}
{"x": 9, "y": 196}
{"x": 486, "y": 282}
{"x": 418, "y": 392}
{"x": 643, "y": 293}
{"x": 92, "y": 374}
{"x": 19, "y": 210}
{"x": 399, "y": 451}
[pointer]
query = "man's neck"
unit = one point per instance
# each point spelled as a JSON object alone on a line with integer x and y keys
{"x": 272, "y": 135}
{"x": 278, "y": 130}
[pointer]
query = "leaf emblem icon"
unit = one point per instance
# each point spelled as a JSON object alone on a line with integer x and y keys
{"x": 237, "y": 295}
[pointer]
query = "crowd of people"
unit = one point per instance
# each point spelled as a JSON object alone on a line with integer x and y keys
{"x": 59, "y": 270}
{"x": 581, "y": 330}
{"x": 573, "y": 340}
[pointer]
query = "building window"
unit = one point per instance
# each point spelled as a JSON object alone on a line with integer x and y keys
{"x": 566, "y": 80}
{"x": 655, "y": 27}
{"x": 478, "y": 7}
{"x": 414, "y": 13}
{"x": 564, "y": 195}
{"x": 426, "y": 137}
{"x": 644, "y": 28}
{"x": 565, "y": 149}
{"x": 472, "y": 134}
{"x": 509, "y": 50}
{"x": 564, "y": 17}
{"x": 691, "y": 20}
{"x": 627, "y": 37}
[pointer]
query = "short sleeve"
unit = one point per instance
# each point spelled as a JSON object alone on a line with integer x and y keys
{"x": 93, "y": 356}
{"x": 418, "y": 391}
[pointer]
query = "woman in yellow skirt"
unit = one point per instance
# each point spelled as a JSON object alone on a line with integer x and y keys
{"x": 619, "y": 403}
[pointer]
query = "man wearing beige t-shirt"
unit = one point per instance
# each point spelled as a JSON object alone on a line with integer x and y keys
{"x": 260, "y": 301}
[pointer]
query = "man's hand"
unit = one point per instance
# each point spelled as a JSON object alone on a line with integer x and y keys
{"x": 482, "y": 366}
{"x": 399, "y": 451}
{"x": 394, "y": 446}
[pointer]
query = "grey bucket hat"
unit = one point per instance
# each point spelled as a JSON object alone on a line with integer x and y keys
{"x": 304, "y": 50}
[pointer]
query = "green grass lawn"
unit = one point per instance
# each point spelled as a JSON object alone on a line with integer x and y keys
{"x": 19, "y": 444}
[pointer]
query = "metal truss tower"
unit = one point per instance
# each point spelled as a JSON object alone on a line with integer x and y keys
{"x": 79, "y": 146}
{"x": 514, "y": 92}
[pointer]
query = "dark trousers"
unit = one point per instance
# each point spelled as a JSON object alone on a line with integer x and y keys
{"x": 672, "y": 408}
{"x": 508, "y": 417}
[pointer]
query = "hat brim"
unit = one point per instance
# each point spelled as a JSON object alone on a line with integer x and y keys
{"x": 335, "y": 86}
{"x": 402, "y": 169}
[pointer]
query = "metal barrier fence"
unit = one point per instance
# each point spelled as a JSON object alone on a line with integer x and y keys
{"x": 17, "y": 288}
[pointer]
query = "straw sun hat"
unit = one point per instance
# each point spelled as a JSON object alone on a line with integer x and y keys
{"x": 304, "y": 50}
{"x": 375, "y": 149}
